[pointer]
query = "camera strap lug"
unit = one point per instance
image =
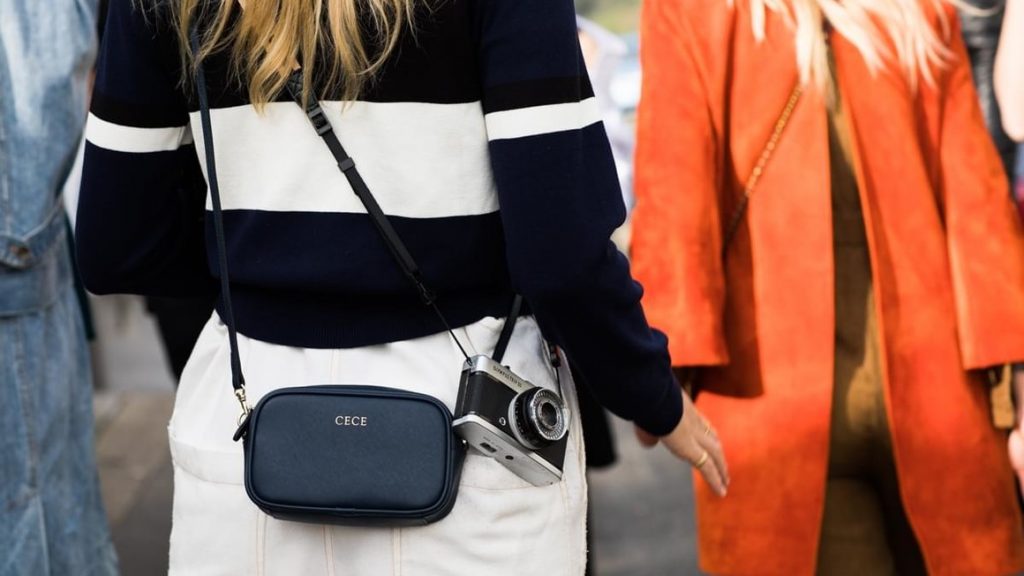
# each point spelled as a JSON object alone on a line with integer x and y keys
{"x": 554, "y": 356}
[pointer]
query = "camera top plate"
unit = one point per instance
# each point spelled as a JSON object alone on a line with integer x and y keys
{"x": 498, "y": 372}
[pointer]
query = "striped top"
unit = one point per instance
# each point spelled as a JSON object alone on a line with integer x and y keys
{"x": 486, "y": 106}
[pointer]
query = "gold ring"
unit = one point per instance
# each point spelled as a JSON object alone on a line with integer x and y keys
{"x": 702, "y": 460}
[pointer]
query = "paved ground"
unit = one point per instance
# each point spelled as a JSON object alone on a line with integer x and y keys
{"x": 635, "y": 534}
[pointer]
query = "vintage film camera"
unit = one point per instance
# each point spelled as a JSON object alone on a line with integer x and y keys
{"x": 522, "y": 426}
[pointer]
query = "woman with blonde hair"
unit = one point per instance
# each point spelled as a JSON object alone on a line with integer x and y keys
{"x": 824, "y": 232}
{"x": 485, "y": 172}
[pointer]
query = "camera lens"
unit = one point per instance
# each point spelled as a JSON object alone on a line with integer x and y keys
{"x": 548, "y": 416}
{"x": 539, "y": 418}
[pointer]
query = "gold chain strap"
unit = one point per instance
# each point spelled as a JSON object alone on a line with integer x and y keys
{"x": 762, "y": 161}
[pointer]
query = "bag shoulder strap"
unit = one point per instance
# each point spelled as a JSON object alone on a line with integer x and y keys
{"x": 237, "y": 379}
{"x": 381, "y": 222}
{"x": 315, "y": 113}
{"x": 769, "y": 149}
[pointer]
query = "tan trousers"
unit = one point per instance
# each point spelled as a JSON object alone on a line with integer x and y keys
{"x": 864, "y": 530}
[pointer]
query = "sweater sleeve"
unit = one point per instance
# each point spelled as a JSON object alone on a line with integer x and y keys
{"x": 560, "y": 202}
{"x": 140, "y": 214}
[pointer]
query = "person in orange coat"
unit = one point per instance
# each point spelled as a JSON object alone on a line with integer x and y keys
{"x": 840, "y": 338}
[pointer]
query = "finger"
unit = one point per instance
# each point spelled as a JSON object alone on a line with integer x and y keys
{"x": 707, "y": 438}
{"x": 717, "y": 456}
{"x": 1015, "y": 448}
{"x": 712, "y": 476}
{"x": 709, "y": 430}
{"x": 693, "y": 417}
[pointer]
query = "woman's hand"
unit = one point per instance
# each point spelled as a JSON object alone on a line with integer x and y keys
{"x": 1007, "y": 75}
{"x": 695, "y": 441}
{"x": 1016, "y": 442}
{"x": 1016, "y": 448}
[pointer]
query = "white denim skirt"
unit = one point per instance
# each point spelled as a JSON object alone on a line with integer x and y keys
{"x": 500, "y": 525}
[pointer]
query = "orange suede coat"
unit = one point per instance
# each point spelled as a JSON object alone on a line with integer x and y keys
{"x": 947, "y": 254}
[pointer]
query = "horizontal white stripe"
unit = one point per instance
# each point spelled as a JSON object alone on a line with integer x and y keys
{"x": 419, "y": 160}
{"x": 135, "y": 140}
{"x": 542, "y": 119}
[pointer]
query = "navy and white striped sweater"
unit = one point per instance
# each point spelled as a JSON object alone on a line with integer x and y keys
{"x": 488, "y": 106}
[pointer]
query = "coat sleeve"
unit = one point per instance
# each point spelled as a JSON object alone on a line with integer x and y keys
{"x": 677, "y": 234}
{"x": 984, "y": 233}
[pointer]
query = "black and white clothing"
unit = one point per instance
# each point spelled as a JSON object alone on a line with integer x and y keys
{"x": 487, "y": 106}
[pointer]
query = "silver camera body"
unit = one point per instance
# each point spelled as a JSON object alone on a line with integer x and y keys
{"x": 522, "y": 426}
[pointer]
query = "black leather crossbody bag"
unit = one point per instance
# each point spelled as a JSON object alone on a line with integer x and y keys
{"x": 343, "y": 454}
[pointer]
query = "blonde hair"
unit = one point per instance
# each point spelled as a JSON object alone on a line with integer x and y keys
{"x": 875, "y": 27}
{"x": 347, "y": 42}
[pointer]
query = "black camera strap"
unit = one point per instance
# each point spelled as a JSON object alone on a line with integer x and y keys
{"x": 380, "y": 220}
{"x": 387, "y": 232}
{"x": 382, "y": 223}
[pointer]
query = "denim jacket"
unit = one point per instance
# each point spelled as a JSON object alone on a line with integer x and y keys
{"x": 46, "y": 53}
